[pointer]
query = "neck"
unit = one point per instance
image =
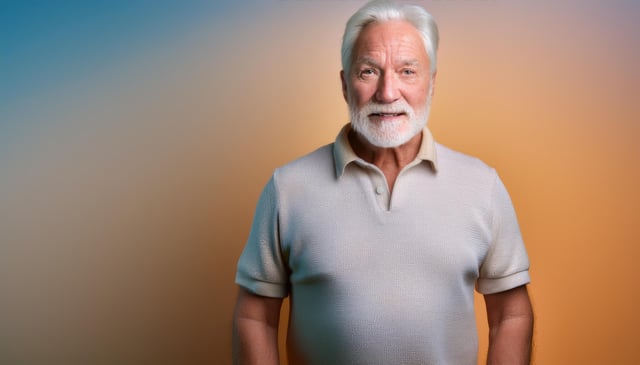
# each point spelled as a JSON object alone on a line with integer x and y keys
{"x": 389, "y": 160}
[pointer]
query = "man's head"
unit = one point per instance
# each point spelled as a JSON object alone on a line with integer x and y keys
{"x": 388, "y": 57}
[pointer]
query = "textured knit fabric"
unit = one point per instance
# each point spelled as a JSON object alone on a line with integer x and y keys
{"x": 380, "y": 278}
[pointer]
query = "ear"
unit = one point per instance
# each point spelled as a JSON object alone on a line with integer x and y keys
{"x": 344, "y": 86}
{"x": 433, "y": 82}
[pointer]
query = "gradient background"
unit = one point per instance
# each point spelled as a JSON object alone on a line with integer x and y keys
{"x": 135, "y": 137}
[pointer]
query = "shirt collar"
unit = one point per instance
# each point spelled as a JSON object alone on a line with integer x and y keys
{"x": 343, "y": 154}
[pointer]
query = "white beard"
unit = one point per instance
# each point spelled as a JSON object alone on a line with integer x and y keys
{"x": 389, "y": 134}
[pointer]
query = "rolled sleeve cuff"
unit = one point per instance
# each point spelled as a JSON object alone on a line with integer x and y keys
{"x": 263, "y": 288}
{"x": 496, "y": 285}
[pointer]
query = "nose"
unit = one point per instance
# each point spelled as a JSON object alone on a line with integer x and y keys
{"x": 387, "y": 89}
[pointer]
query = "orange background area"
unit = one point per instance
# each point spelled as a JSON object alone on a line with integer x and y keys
{"x": 126, "y": 195}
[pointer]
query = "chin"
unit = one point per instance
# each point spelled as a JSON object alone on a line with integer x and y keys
{"x": 388, "y": 134}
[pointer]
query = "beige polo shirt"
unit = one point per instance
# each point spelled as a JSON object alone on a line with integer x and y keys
{"x": 381, "y": 278}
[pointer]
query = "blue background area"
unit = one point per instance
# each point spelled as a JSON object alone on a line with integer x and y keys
{"x": 48, "y": 43}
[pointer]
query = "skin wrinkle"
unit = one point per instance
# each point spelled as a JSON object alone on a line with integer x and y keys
{"x": 391, "y": 73}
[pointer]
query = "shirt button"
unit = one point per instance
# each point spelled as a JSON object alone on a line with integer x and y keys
{"x": 379, "y": 190}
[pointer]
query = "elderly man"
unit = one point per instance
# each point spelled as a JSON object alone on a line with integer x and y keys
{"x": 380, "y": 238}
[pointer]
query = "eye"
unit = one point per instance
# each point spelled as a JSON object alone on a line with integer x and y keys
{"x": 408, "y": 72}
{"x": 367, "y": 73}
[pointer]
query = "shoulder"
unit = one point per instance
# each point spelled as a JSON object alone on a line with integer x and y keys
{"x": 304, "y": 179}
{"x": 458, "y": 164}
{"x": 468, "y": 177}
{"x": 310, "y": 166}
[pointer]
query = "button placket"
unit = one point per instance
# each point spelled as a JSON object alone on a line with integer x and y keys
{"x": 380, "y": 189}
{"x": 378, "y": 185}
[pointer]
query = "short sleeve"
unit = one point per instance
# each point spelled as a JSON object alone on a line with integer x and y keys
{"x": 506, "y": 264}
{"x": 261, "y": 268}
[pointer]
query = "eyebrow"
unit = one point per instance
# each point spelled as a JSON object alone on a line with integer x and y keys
{"x": 366, "y": 60}
{"x": 371, "y": 62}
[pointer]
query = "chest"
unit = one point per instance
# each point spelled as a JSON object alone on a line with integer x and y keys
{"x": 359, "y": 231}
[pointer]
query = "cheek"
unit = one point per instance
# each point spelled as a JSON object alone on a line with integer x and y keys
{"x": 362, "y": 94}
{"x": 418, "y": 98}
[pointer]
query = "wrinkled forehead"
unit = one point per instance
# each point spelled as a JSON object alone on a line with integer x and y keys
{"x": 396, "y": 41}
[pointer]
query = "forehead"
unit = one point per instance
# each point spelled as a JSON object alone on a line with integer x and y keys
{"x": 397, "y": 40}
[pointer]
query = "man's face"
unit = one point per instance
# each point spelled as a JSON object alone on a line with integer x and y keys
{"x": 389, "y": 86}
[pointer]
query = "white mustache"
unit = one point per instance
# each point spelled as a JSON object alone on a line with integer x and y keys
{"x": 399, "y": 107}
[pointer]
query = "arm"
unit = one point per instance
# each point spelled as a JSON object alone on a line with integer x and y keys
{"x": 510, "y": 327}
{"x": 255, "y": 329}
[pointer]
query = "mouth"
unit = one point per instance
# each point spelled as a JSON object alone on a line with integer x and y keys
{"x": 386, "y": 115}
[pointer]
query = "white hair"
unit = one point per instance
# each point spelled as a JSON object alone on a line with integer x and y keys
{"x": 378, "y": 11}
